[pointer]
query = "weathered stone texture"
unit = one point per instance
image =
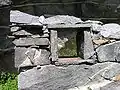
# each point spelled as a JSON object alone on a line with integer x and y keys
{"x": 111, "y": 86}
{"x": 64, "y": 78}
{"x": 85, "y": 45}
{"x": 31, "y": 41}
{"x": 31, "y": 56}
{"x": 109, "y": 52}
{"x": 5, "y": 2}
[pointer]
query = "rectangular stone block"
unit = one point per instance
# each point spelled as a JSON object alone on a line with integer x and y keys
{"x": 85, "y": 45}
{"x": 31, "y": 57}
{"x": 31, "y": 41}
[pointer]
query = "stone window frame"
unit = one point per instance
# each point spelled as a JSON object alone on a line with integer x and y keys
{"x": 54, "y": 45}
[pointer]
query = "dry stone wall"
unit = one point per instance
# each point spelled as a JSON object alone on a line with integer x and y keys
{"x": 28, "y": 48}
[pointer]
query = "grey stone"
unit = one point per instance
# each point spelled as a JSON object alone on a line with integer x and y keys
{"x": 86, "y": 48}
{"x": 65, "y": 78}
{"x": 21, "y": 33}
{"x": 111, "y": 86}
{"x": 31, "y": 56}
{"x": 38, "y": 36}
{"x": 42, "y": 57}
{"x": 14, "y": 29}
{"x": 110, "y": 30}
{"x": 20, "y": 17}
{"x": 19, "y": 56}
{"x": 62, "y": 19}
{"x": 31, "y": 41}
{"x": 109, "y": 52}
{"x": 5, "y": 2}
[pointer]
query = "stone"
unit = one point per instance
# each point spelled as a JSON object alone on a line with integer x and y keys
{"x": 46, "y": 35}
{"x": 109, "y": 52}
{"x": 5, "y": 2}
{"x": 100, "y": 41}
{"x": 30, "y": 56}
{"x": 72, "y": 77}
{"x": 14, "y": 29}
{"x": 19, "y": 56}
{"x": 111, "y": 86}
{"x": 21, "y": 33}
{"x": 31, "y": 41}
{"x": 62, "y": 19}
{"x": 111, "y": 30}
{"x": 24, "y": 18}
{"x": 85, "y": 44}
{"x": 42, "y": 57}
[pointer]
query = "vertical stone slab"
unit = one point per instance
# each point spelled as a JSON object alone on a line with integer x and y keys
{"x": 54, "y": 45}
{"x": 85, "y": 45}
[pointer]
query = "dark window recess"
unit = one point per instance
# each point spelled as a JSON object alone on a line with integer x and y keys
{"x": 67, "y": 43}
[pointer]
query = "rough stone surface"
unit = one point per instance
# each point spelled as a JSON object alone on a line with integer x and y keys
{"x": 20, "y": 17}
{"x": 31, "y": 41}
{"x": 62, "y": 19}
{"x": 31, "y": 56}
{"x": 111, "y": 86}
{"x": 86, "y": 49}
{"x": 65, "y": 78}
{"x": 5, "y": 2}
{"x": 111, "y": 30}
{"x": 109, "y": 52}
{"x": 14, "y": 29}
{"x": 21, "y": 33}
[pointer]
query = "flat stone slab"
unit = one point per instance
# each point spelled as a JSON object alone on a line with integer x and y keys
{"x": 31, "y": 41}
{"x": 52, "y": 77}
{"x": 23, "y": 18}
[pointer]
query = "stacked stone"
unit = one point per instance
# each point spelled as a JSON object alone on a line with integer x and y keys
{"x": 106, "y": 40}
{"x": 31, "y": 46}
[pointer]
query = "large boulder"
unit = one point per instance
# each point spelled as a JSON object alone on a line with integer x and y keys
{"x": 72, "y": 77}
{"x": 109, "y": 52}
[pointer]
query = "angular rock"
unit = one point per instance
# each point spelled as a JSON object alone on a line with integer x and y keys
{"x": 67, "y": 78}
{"x": 100, "y": 41}
{"x": 31, "y": 41}
{"x": 24, "y": 18}
{"x": 14, "y": 29}
{"x": 42, "y": 57}
{"x": 111, "y": 31}
{"x": 5, "y": 2}
{"x": 85, "y": 45}
{"x": 19, "y": 56}
{"x": 109, "y": 52}
{"x": 31, "y": 56}
{"x": 111, "y": 86}
{"x": 62, "y": 19}
{"x": 38, "y": 36}
{"x": 22, "y": 33}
